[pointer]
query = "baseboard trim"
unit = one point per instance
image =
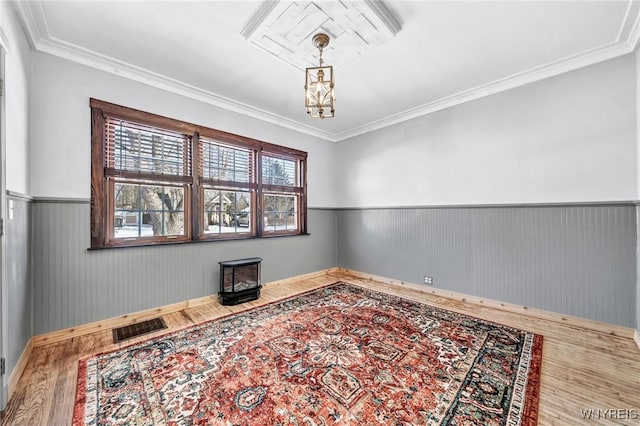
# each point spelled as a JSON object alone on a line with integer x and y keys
{"x": 303, "y": 277}
{"x": 601, "y": 327}
{"x": 21, "y": 365}
{"x": 59, "y": 335}
{"x": 109, "y": 323}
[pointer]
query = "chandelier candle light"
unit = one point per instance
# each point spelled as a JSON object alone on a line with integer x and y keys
{"x": 319, "y": 93}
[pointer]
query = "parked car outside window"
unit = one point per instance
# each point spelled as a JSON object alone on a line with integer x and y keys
{"x": 241, "y": 219}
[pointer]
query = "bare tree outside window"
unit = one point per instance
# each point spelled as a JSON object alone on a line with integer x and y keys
{"x": 143, "y": 210}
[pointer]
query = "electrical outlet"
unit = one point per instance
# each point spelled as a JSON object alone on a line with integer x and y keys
{"x": 428, "y": 280}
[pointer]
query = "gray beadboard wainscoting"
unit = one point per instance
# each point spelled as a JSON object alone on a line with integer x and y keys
{"x": 19, "y": 290}
{"x": 638, "y": 270}
{"x": 73, "y": 285}
{"x": 573, "y": 259}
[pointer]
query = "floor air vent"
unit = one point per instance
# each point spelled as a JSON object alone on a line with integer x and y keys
{"x": 137, "y": 329}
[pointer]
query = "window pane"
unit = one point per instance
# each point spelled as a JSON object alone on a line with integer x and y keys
{"x": 139, "y": 148}
{"x": 280, "y": 212}
{"x": 227, "y": 212}
{"x": 148, "y": 211}
{"x": 224, "y": 163}
{"x": 278, "y": 171}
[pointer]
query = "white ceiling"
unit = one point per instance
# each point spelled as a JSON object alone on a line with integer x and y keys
{"x": 445, "y": 53}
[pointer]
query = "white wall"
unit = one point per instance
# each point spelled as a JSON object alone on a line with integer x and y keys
{"x": 564, "y": 139}
{"x": 61, "y": 127}
{"x": 17, "y": 75}
{"x": 17, "y": 313}
{"x": 638, "y": 195}
{"x": 567, "y": 138}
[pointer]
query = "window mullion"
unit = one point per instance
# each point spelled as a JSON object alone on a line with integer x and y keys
{"x": 197, "y": 203}
{"x": 258, "y": 195}
{"x": 302, "y": 166}
{"x": 140, "y": 210}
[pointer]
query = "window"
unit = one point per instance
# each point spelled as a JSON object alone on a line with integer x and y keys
{"x": 229, "y": 188}
{"x": 281, "y": 190}
{"x": 155, "y": 180}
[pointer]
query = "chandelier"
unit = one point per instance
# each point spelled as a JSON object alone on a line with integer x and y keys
{"x": 319, "y": 93}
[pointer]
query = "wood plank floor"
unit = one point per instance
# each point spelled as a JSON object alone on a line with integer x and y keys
{"x": 581, "y": 369}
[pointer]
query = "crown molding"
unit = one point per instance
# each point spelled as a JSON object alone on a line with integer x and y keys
{"x": 627, "y": 41}
{"x": 532, "y": 75}
{"x": 4, "y": 41}
{"x": 265, "y": 8}
{"x": 630, "y": 27}
{"x": 33, "y": 21}
{"x": 111, "y": 65}
{"x": 40, "y": 39}
{"x": 35, "y": 25}
{"x": 386, "y": 16}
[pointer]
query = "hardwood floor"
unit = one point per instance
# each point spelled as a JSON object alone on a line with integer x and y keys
{"x": 582, "y": 369}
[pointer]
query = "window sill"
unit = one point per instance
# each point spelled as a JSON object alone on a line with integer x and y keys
{"x": 207, "y": 240}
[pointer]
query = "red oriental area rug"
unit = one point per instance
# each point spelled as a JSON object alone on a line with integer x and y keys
{"x": 337, "y": 355}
